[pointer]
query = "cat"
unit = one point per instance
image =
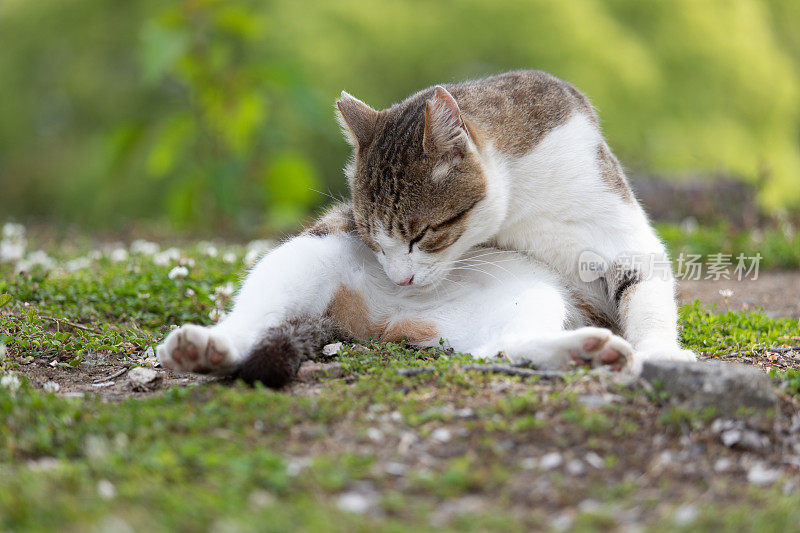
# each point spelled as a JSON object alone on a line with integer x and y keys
{"x": 326, "y": 283}
{"x": 514, "y": 166}
{"x": 516, "y": 161}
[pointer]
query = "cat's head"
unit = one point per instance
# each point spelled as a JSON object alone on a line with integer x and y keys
{"x": 421, "y": 194}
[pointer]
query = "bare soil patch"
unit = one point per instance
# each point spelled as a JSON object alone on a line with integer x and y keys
{"x": 778, "y": 293}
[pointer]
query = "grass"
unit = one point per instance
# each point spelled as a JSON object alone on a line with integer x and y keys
{"x": 229, "y": 457}
{"x": 713, "y": 333}
{"x": 779, "y": 247}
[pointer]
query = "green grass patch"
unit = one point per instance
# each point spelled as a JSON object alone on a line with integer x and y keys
{"x": 710, "y": 332}
{"x": 779, "y": 248}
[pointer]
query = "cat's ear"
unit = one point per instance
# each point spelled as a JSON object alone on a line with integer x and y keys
{"x": 357, "y": 120}
{"x": 444, "y": 128}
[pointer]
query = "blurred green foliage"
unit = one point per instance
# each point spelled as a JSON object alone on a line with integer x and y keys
{"x": 218, "y": 114}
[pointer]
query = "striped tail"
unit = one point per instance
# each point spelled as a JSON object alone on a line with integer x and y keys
{"x": 276, "y": 358}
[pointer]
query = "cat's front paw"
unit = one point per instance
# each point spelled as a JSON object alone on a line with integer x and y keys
{"x": 665, "y": 353}
{"x": 596, "y": 347}
{"x": 197, "y": 349}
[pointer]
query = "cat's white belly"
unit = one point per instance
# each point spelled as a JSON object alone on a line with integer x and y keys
{"x": 471, "y": 305}
{"x": 511, "y": 305}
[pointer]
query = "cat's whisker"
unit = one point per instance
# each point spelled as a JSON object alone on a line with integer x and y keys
{"x": 475, "y": 257}
{"x": 481, "y": 262}
{"x": 328, "y": 194}
{"x": 487, "y": 253}
{"x": 475, "y": 269}
{"x": 454, "y": 282}
{"x": 469, "y": 262}
{"x": 488, "y": 262}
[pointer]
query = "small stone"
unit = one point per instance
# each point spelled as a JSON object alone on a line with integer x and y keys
{"x": 697, "y": 385}
{"x": 313, "y": 371}
{"x": 762, "y": 476}
{"x": 121, "y": 441}
{"x": 114, "y": 523}
{"x": 441, "y": 435}
{"x": 529, "y": 463}
{"x": 96, "y": 447}
{"x": 666, "y": 457}
{"x": 590, "y": 506}
{"x": 550, "y": 461}
{"x": 406, "y": 440}
{"x": 562, "y": 522}
{"x": 720, "y": 424}
{"x": 260, "y": 498}
{"x": 457, "y": 508}
{"x": 143, "y": 379}
{"x": 44, "y": 464}
{"x": 575, "y": 467}
{"x": 745, "y": 439}
{"x": 10, "y": 382}
{"x": 596, "y": 400}
{"x": 685, "y": 515}
{"x": 395, "y": 469}
{"x": 723, "y": 464}
{"x": 51, "y": 386}
{"x": 375, "y": 434}
{"x": 105, "y": 489}
{"x": 358, "y": 348}
{"x": 731, "y": 437}
{"x": 295, "y": 465}
{"x": 594, "y": 460}
{"x": 354, "y": 502}
{"x": 331, "y": 349}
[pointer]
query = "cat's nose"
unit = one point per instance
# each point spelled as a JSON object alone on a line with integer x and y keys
{"x": 406, "y": 283}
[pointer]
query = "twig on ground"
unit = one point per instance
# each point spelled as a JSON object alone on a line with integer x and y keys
{"x": 417, "y": 371}
{"x": 71, "y": 324}
{"x": 783, "y": 350}
{"x": 116, "y": 374}
{"x": 507, "y": 370}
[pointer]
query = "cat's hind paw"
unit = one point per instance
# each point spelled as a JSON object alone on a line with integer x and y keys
{"x": 596, "y": 347}
{"x": 197, "y": 349}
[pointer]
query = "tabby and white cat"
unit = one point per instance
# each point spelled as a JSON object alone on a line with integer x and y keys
{"x": 327, "y": 284}
{"x": 515, "y": 162}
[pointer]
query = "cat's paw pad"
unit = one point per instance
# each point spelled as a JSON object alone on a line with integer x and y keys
{"x": 596, "y": 347}
{"x": 197, "y": 349}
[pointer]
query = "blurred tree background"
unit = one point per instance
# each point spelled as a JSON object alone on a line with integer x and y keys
{"x": 217, "y": 115}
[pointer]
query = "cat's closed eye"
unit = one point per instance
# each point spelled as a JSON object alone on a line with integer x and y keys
{"x": 418, "y": 238}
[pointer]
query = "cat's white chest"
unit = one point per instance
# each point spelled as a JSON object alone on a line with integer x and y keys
{"x": 559, "y": 206}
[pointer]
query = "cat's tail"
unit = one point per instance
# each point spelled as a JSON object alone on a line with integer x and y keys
{"x": 276, "y": 358}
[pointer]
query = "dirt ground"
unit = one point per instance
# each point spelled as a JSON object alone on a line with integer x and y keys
{"x": 777, "y": 292}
